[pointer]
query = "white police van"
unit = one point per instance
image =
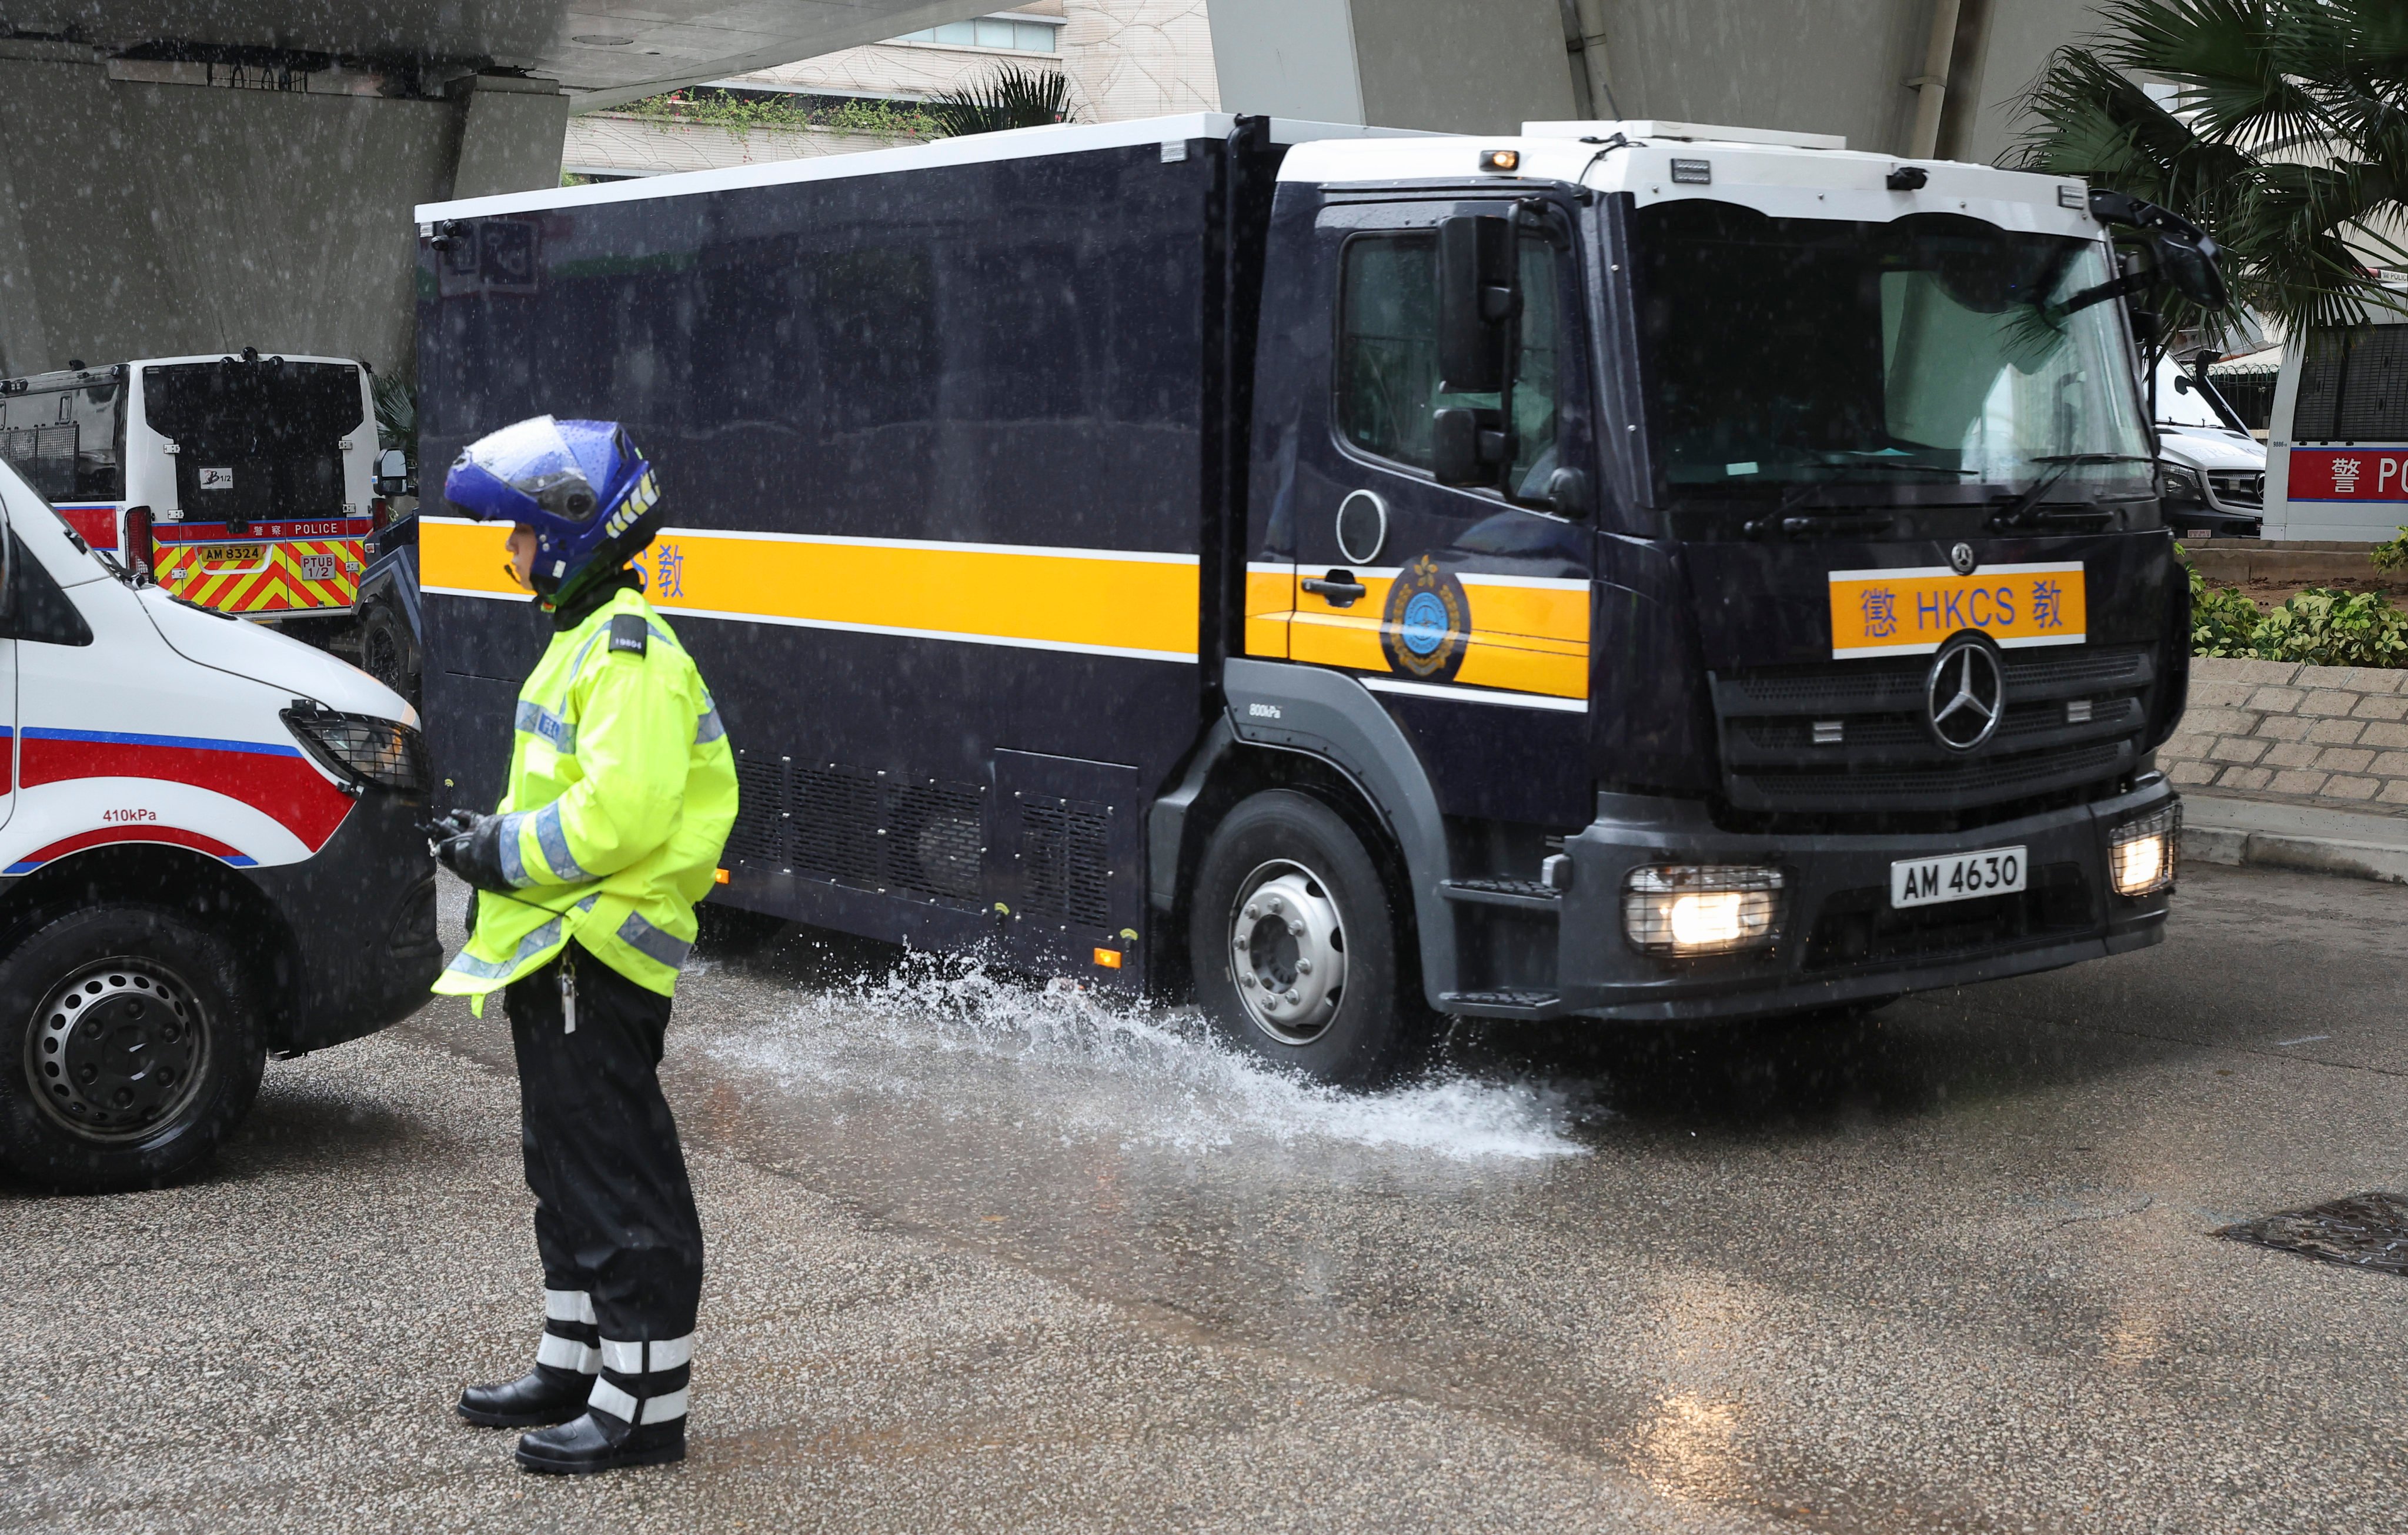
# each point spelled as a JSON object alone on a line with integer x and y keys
{"x": 209, "y": 852}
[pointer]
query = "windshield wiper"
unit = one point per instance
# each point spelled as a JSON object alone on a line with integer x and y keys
{"x": 2021, "y": 512}
{"x": 1900, "y": 466}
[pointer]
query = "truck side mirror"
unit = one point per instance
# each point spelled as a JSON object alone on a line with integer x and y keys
{"x": 1455, "y": 446}
{"x": 2185, "y": 253}
{"x": 2186, "y": 258}
{"x": 393, "y": 473}
{"x": 1476, "y": 298}
{"x": 1568, "y": 494}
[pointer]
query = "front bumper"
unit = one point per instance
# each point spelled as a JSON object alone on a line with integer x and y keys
{"x": 362, "y": 915}
{"x": 1840, "y": 940}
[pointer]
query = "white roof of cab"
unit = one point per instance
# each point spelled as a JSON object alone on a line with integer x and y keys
{"x": 974, "y": 149}
{"x": 1784, "y": 175}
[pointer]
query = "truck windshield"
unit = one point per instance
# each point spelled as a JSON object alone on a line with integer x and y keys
{"x": 1935, "y": 355}
{"x": 255, "y": 441}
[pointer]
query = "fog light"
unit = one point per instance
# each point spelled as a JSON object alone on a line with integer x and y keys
{"x": 2140, "y": 854}
{"x": 1701, "y": 908}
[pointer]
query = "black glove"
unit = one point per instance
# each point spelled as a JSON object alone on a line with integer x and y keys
{"x": 470, "y": 846}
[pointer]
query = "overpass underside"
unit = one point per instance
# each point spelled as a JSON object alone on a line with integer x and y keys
{"x": 238, "y": 189}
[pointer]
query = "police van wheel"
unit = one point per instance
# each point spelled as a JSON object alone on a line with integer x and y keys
{"x": 1295, "y": 944}
{"x": 130, "y": 1043}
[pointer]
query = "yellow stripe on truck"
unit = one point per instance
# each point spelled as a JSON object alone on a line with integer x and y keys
{"x": 1524, "y": 638}
{"x": 1100, "y": 600}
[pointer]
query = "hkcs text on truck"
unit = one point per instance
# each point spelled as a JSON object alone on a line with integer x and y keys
{"x": 1626, "y": 570}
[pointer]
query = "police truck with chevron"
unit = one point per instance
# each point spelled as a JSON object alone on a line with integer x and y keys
{"x": 243, "y": 483}
{"x": 1621, "y": 571}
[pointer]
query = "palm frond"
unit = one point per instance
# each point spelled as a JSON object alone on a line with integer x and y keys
{"x": 2287, "y": 139}
{"x": 2220, "y": 56}
{"x": 1009, "y": 97}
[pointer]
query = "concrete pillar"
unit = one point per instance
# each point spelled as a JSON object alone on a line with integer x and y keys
{"x": 510, "y": 137}
{"x": 146, "y": 219}
{"x": 1460, "y": 65}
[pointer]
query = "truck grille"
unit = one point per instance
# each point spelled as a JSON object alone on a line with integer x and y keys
{"x": 2241, "y": 489}
{"x": 1854, "y": 736}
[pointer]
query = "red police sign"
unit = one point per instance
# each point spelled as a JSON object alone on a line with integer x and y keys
{"x": 2349, "y": 474}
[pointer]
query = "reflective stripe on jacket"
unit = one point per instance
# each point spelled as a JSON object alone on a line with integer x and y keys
{"x": 622, "y": 790}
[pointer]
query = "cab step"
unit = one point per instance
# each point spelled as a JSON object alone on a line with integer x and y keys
{"x": 1530, "y": 894}
{"x": 1503, "y": 1004}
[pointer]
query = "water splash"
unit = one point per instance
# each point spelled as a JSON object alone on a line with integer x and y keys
{"x": 954, "y": 1034}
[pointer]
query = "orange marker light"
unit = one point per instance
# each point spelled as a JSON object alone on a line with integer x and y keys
{"x": 1109, "y": 958}
{"x": 1500, "y": 160}
{"x": 719, "y": 876}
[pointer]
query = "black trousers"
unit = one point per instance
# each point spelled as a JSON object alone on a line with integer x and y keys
{"x": 614, "y": 1214}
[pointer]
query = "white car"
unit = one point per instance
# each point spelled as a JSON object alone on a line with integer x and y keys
{"x": 2211, "y": 471}
{"x": 209, "y": 850}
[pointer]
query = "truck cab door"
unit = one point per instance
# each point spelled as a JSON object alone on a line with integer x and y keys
{"x": 1466, "y": 609}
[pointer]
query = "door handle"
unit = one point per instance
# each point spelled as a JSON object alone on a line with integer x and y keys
{"x": 1339, "y": 588}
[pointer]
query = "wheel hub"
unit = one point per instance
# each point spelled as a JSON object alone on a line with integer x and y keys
{"x": 1287, "y": 949}
{"x": 117, "y": 1049}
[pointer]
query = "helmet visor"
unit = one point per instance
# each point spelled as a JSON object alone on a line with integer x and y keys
{"x": 533, "y": 458}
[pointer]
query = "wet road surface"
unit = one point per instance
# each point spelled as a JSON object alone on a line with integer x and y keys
{"x": 986, "y": 1255}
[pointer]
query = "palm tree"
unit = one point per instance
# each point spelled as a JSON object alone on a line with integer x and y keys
{"x": 1010, "y": 97}
{"x": 2286, "y": 138}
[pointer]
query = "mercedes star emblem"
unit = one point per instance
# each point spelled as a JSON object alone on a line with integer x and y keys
{"x": 1966, "y": 692}
{"x": 1961, "y": 560}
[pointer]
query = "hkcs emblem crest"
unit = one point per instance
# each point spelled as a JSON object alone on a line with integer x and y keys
{"x": 1427, "y": 625}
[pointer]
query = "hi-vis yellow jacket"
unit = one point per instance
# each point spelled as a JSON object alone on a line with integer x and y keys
{"x": 621, "y": 793}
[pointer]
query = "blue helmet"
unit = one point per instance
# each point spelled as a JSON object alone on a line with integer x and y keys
{"x": 580, "y": 485}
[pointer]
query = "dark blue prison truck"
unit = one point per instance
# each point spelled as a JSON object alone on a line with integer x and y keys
{"x": 1625, "y": 570}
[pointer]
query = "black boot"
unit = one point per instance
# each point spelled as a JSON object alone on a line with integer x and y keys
{"x": 544, "y": 1395}
{"x": 600, "y": 1443}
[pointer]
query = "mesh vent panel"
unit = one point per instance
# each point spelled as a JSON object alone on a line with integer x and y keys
{"x": 759, "y": 834}
{"x": 932, "y": 840}
{"x": 835, "y": 823}
{"x": 1064, "y": 861}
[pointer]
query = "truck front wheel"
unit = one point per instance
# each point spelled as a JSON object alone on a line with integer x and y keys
{"x": 385, "y": 649}
{"x": 1296, "y": 944}
{"x": 129, "y": 1047}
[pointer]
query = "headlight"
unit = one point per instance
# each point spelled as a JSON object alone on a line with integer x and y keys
{"x": 361, "y": 748}
{"x": 2140, "y": 854}
{"x": 1701, "y": 908}
{"x": 2175, "y": 483}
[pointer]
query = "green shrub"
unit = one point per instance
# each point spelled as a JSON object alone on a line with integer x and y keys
{"x": 2320, "y": 625}
{"x": 2392, "y": 556}
{"x": 2222, "y": 620}
{"x": 741, "y": 113}
{"x": 2325, "y": 627}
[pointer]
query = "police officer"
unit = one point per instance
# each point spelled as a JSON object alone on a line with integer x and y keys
{"x": 621, "y": 789}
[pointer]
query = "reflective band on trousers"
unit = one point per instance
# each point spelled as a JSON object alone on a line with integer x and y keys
{"x": 630, "y": 1358}
{"x": 567, "y": 1306}
{"x": 650, "y": 941}
{"x": 568, "y": 1354}
{"x": 619, "y": 1404}
{"x": 554, "y": 842}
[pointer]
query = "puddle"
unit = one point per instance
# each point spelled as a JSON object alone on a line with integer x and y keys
{"x": 964, "y": 1043}
{"x": 2365, "y": 1231}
